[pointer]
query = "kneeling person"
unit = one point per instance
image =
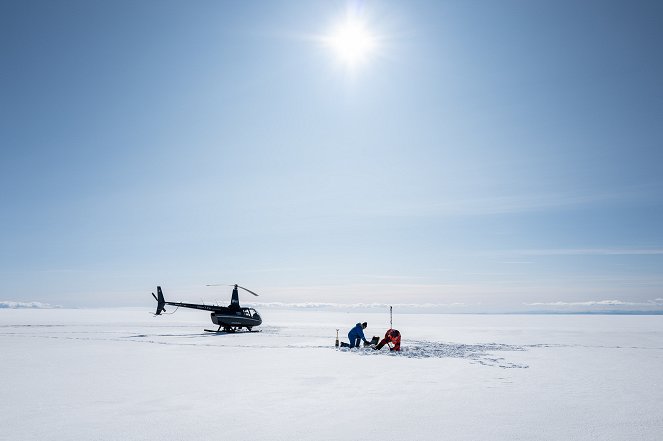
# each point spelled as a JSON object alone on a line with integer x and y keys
{"x": 355, "y": 335}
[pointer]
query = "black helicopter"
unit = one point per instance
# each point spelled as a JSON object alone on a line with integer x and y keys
{"x": 231, "y": 318}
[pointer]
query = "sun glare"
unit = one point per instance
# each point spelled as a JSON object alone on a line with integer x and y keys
{"x": 352, "y": 42}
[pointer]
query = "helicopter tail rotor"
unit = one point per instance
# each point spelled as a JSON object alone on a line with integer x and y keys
{"x": 161, "y": 303}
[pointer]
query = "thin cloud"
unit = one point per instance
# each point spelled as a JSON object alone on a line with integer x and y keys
{"x": 390, "y": 277}
{"x": 521, "y": 203}
{"x": 591, "y": 252}
{"x": 326, "y": 305}
{"x": 656, "y": 302}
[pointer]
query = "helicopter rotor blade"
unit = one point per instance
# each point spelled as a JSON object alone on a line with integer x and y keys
{"x": 155, "y": 297}
{"x": 223, "y": 284}
{"x": 219, "y": 284}
{"x": 248, "y": 290}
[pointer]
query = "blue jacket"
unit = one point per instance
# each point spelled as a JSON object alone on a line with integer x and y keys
{"x": 356, "y": 332}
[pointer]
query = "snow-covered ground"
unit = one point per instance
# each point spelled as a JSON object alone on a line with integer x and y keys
{"x": 121, "y": 374}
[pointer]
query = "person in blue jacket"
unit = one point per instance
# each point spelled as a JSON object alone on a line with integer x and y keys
{"x": 356, "y": 334}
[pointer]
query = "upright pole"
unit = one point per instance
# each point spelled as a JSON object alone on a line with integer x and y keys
{"x": 336, "y": 338}
{"x": 391, "y": 318}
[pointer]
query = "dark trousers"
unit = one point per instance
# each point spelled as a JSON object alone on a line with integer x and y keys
{"x": 381, "y": 344}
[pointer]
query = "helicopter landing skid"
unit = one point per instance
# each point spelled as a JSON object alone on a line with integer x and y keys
{"x": 229, "y": 331}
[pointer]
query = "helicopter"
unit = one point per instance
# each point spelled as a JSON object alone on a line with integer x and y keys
{"x": 231, "y": 318}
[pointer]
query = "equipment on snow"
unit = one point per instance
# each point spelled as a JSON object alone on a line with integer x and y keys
{"x": 373, "y": 341}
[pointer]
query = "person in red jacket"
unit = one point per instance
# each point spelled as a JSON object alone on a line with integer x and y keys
{"x": 391, "y": 336}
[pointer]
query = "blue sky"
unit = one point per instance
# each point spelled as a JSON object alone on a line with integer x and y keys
{"x": 487, "y": 155}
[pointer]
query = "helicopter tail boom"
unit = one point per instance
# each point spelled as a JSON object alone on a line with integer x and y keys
{"x": 160, "y": 301}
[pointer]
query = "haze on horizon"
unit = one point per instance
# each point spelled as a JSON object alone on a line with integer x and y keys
{"x": 481, "y": 155}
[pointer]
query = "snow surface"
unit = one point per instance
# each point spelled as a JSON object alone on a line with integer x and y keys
{"x": 122, "y": 374}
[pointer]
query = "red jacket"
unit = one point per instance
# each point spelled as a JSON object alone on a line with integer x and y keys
{"x": 394, "y": 337}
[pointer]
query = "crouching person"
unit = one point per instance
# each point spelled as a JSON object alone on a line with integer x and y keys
{"x": 391, "y": 336}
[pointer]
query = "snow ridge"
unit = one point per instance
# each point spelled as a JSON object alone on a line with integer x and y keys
{"x": 31, "y": 305}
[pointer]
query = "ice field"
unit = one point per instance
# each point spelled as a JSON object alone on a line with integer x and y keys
{"x": 122, "y": 374}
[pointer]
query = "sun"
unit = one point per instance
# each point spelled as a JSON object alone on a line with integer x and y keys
{"x": 352, "y": 42}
